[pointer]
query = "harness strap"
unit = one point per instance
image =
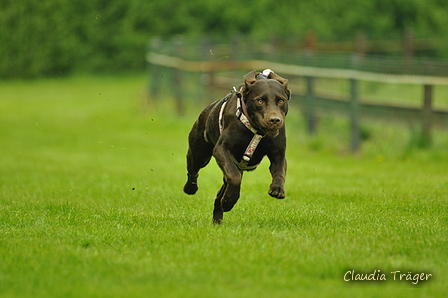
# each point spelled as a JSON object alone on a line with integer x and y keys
{"x": 243, "y": 118}
{"x": 243, "y": 164}
{"x": 221, "y": 111}
{"x": 220, "y": 116}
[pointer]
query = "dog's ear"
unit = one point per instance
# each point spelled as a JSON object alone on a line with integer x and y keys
{"x": 249, "y": 79}
{"x": 282, "y": 81}
{"x": 278, "y": 78}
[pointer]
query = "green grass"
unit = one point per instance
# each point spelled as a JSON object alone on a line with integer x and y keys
{"x": 91, "y": 205}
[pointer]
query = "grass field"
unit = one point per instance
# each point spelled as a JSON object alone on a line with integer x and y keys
{"x": 91, "y": 205}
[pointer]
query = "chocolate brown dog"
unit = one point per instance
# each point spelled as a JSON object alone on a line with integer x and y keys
{"x": 239, "y": 130}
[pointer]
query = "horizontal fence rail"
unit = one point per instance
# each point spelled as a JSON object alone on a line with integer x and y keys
{"x": 310, "y": 101}
{"x": 296, "y": 70}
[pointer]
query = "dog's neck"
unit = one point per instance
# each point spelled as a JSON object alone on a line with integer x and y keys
{"x": 241, "y": 113}
{"x": 241, "y": 110}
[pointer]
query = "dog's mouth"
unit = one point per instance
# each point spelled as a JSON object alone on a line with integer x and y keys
{"x": 272, "y": 132}
{"x": 269, "y": 129}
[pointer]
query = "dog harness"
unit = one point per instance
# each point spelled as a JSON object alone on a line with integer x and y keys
{"x": 243, "y": 164}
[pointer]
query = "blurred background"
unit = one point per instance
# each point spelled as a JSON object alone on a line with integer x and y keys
{"x": 192, "y": 52}
{"x": 60, "y": 37}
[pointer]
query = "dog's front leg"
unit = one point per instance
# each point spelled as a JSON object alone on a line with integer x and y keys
{"x": 230, "y": 192}
{"x": 278, "y": 172}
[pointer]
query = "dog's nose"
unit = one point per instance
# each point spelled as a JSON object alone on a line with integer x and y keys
{"x": 275, "y": 120}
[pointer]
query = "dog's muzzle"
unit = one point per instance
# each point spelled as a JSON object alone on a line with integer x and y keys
{"x": 272, "y": 126}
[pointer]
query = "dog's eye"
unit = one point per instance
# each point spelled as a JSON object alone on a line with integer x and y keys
{"x": 260, "y": 101}
{"x": 281, "y": 101}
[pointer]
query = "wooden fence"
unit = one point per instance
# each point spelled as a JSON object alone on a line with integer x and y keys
{"x": 174, "y": 61}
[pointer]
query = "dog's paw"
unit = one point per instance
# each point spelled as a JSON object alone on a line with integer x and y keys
{"x": 277, "y": 192}
{"x": 217, "y": 216}
{"x": 190, "y": 188}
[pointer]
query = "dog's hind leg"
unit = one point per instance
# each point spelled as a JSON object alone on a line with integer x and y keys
{"x": 194, "y": 163}
{"x": 198, "y": 156}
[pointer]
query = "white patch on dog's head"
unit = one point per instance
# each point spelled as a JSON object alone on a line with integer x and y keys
{"x": 266, "y": 72}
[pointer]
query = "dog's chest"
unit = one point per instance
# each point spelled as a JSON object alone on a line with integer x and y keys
{"x": 247, "y": 154}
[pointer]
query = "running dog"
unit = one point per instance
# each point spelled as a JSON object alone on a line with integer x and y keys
{"x": 238, "y": 131}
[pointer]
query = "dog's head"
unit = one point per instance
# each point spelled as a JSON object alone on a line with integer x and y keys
{"x": 266, "y": 96}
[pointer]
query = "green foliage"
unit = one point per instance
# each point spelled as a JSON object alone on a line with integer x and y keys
{"x": 58, "y": 37}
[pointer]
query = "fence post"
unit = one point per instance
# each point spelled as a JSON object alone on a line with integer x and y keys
{"x": 310, "y": 106}
{"x": 354, "y": 115}
{"x": 408, "y": 45}
{"x": 235, "y": 53}
{"x": 310, "y": 41}
{"x": 427, "y": 115}
{"x": 359, "y": 55}
{"x": 154, "y": 82}
{"x": 361, "y": 45}
{"x": 408, "y": 49}
{"x": 310, "y": 47}
{"x": 207, "y": 49}
{"x": 178, "y": 77}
